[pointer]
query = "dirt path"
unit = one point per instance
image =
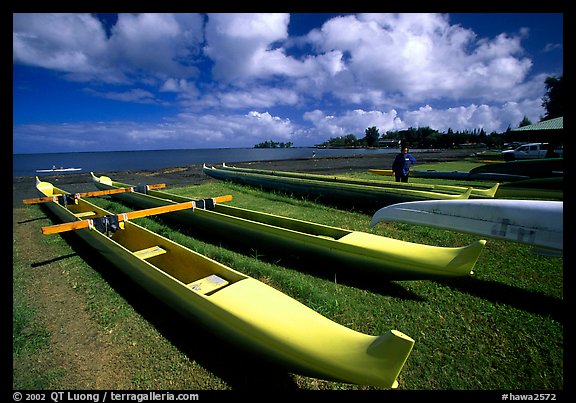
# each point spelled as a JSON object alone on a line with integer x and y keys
{"x": 77, "y": 344}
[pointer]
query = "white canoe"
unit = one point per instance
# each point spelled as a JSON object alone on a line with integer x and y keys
{"x": 534, "y": 222}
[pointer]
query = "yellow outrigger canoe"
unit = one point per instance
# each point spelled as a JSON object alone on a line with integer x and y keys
{"x": 325, "y": 246}
{"x": 235, "y": 306}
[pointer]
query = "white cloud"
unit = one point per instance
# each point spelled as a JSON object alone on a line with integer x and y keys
{"x": 235, "y": 130}
{"x": 239, "y": 45}
{"x": 157, "y": 44}
{"x": 230, "y": 74}
{"x": 134, "y": 96}
{"x": 140, "y": 46}
{"x": 70, "y": 43}
{"x": 353, "y": 122}
{"x": 489, "y": 118}
{"x": 420, "y": 56}
{"x": 364, "y": 60}
{"x": 178, "y": 86}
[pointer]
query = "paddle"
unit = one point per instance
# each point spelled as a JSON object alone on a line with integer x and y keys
{"x": 113, "y": 219}
{"x": 92, "y": 194}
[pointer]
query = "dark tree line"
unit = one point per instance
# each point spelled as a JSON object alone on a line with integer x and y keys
{"x": 421, "y": 137}
{"x": 273, "y": 144}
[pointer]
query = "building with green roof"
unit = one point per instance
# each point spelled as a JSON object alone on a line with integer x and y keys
{"x": 547, "y": 131}
{"x": 551, "y": 124}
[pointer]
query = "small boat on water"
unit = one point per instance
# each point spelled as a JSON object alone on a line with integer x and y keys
{"x": 57, "y": 170}
{"x": 322, "y": 245}
{"x": 234, "y": 305}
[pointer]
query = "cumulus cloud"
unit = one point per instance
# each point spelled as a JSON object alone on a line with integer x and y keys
{"x": 140, "y": 47}
{"x": 240, "y": 45}
{"x": 421, "y": 56}
{"x": 375, "y": 59}
{"x": 71, "y": 43}
{"x": 165, "y": 45}
{"x": 489, "y": 118}
{"x": 231, "y": 79}
{"x": 354, "y": 122}
{"x": 238, "y": 130}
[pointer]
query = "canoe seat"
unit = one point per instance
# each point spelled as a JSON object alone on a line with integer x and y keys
{"x": 85, "y": 214}
{"x": 208, "y": 284}
{"x": 149, "y": 252}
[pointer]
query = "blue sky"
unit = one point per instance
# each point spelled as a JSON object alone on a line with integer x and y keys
{"x": 86, "y": 82}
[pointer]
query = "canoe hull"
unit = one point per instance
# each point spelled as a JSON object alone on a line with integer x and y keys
{"x": 435, "y": 188}
{"x": 532, "y": 168}
{"x": 382, "y": 172}
{"x": 532, "y": 222}
{"x": 342, "y": 194}
{"x": 318, "y": 246}
{"x": 463, "y": 175}
{"x": 245, "y": 311}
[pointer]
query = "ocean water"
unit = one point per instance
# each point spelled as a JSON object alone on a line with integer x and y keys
{"x": 101, "y": 162}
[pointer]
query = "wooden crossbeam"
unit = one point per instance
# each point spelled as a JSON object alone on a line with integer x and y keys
{"x": 92, "y": 194}
{"x": 75, "y": 225}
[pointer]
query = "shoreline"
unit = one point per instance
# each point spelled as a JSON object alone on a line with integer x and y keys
{"x": 23, "y": 187}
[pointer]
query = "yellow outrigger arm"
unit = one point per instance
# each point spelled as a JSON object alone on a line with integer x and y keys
{"x": 111, "y": 221}
{"x": 70, "y": 198}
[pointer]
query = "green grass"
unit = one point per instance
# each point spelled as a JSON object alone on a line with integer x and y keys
{"x": 448, "y": 166}
{"x": 29, "y": 336}
{"x": 498, "y": 329}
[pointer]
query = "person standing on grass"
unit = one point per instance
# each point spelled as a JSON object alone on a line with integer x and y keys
{"x": 401, "y": 165}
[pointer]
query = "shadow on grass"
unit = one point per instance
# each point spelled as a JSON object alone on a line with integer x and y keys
{"x": 529, "y": 301}
{"x": 31, "y": 220}
{"x": 56, "y": 259}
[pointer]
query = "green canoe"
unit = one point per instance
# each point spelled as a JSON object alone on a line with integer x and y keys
{"x": 449, "y": 189}
{"x": 533, "y": 168}
{"x": 351, "y": 195}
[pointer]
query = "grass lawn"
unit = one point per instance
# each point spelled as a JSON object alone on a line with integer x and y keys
{"x": 500, "y": 328}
